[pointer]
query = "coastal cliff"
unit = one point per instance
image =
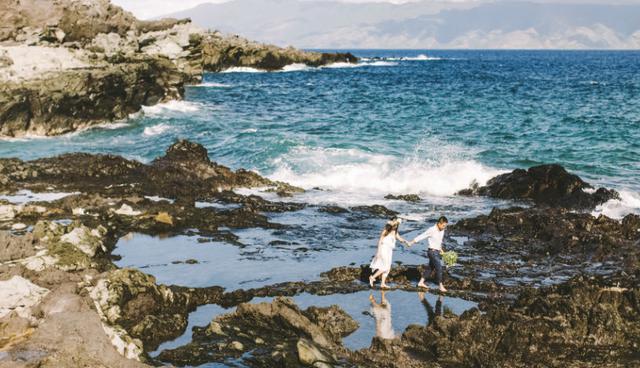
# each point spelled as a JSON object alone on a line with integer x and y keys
{"x": 69, "y": 64}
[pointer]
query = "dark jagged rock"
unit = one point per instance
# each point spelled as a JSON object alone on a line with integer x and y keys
{"x": 268, "y": 335}
{"x": 184, "y": 172}
{"x": 556, "y": 231}
{"x": 547, "y": 185}
{"x": 335, "y": 210}
{"x": 375, "y": 210}
{"x": 404, "y": 197}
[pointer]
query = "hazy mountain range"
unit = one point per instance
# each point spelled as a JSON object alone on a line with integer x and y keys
{"x": 424, "y": 24}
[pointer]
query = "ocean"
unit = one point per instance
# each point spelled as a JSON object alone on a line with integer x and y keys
{"x": 401, "y": 122}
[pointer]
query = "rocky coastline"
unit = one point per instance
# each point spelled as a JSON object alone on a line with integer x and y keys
{"x": 550, "y": 284}
{"x": 58, "y": 273}
{"x": 69, "y": 65}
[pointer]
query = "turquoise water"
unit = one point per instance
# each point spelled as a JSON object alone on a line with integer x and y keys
{"x": 391, "y": 125}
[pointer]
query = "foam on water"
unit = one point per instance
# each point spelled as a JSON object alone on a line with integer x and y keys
{"x": 629, "y": 202}
{"x": 243, "y": 69}
{"x": 355, "y": 171}
{"x": 381, "y": 63}
{"x": 211, "y": 85}
{"x": 156, "y": 130}
{"x": 340, "y": 65}
{"x": 171, "y": 107}
{"x": 297, "y": 67}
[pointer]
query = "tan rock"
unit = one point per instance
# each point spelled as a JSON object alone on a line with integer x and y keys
{"x": 164, "y": 218}
{"x": 19, "y": 295}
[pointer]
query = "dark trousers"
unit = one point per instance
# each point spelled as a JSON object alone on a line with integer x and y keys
{"x": 435, "y": 263}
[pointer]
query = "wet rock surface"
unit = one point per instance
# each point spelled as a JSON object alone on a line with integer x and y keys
{"x": 404, "y": 197}
{"x": 149, "y": 312}
{"x": 537, "y": 233}
{"x": 547, "y": 185}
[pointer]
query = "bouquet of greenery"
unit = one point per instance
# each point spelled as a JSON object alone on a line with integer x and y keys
{"x": 450, "y": 258}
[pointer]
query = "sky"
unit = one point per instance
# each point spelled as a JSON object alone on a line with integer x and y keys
{"x": 145, "y": 9}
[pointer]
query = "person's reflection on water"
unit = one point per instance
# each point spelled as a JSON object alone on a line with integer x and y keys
{"x": 430, "y": 311}
{"x": 382, "y": 314}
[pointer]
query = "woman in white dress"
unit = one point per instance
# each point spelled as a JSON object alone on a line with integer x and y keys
{"x": 381, "y": 263}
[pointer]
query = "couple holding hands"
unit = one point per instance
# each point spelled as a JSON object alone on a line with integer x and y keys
{"x": 381, "y": 263}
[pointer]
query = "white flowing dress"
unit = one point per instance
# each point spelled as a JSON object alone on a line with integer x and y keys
{"x": 382, "y": 259}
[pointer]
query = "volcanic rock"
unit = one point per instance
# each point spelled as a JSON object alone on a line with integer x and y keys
{"x": 545, "y": 185}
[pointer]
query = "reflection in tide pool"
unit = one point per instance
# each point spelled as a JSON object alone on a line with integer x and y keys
{"x": 374, "y": 319}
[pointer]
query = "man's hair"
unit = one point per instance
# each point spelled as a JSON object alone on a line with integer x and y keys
{"x": 443, "y": 220}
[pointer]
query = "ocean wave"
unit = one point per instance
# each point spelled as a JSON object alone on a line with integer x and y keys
{"x": 421, "y": 57}
{"x": 340, "y": 65}
{"x": 380, "y": 63}
{"x": 355, "y": 171}
{"x": 212, "y": 85}
{"x": 242, "y": 69}
{"x": 156, "y": 130}
{"x": 629, "y": 202}
{"x": 174, "y": 106}
{"x": 296, "y": 67}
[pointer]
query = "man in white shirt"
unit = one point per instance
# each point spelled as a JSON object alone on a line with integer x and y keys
{"x": 434, "y": 237}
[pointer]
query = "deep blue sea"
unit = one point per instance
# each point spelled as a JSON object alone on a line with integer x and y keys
{"x": 425, "y": 122}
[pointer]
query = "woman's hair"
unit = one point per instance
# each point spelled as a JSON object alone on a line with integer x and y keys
{"x": 391, "y": 225}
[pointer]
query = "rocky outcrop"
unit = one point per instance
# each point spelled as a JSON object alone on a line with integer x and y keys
{"x": 73, "y": 100}
{"x": 555, "y": 231}
{"x": 221, "y": 52}
{"x": 269, "y": 335}
{"x": 132, "y": 301}
{"x": 545, "y": 185}
{"x": 404, "y": 197}
{"x": 185, "y": 171}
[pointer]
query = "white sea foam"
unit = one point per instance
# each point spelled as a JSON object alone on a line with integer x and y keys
{"x": 249, "y": 130}
{"x": 629, "y": 202}
{"x": 381, "y": 63}
{"x": 297, "y": 67}
{"x": 212, "y": 85}
{"x": 243, "y": 69}
{"x": 360, "y": 173}
{"x": 173, "y": 106}
{"x": 421, "y": 57}
{"x": 340, "y": 65}
{"x": 156, "y": 130}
